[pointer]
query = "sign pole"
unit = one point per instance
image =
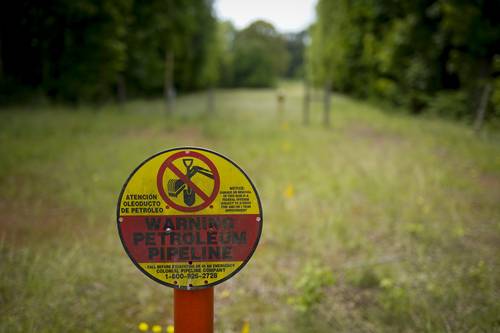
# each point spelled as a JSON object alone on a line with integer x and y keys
{"x": 194, "y": 310}
{"x": 189, "y": 218}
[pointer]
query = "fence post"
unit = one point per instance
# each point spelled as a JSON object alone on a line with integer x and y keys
{"x": 326, "y": 103}
{"x": 307, "y": 100}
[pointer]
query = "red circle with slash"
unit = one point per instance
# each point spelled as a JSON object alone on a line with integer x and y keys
{"x": 168, "y": 164}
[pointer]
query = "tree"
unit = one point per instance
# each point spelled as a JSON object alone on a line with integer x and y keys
{"x": 328, "y": 47}
{"x": 425, "y": 55}
{"x": 260, "y": 55}
{"x": 473, "y": 31}
{"x": 90, "y": 50}
{"x": 171, "y": 47}
{"x": 295, "y": 45}
{"x": 226, "y": 35}
{"x": 66, "y": 50}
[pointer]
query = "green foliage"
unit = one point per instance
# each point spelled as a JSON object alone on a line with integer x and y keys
{"x": 81, "y": 50}
{"x": 184, "y": 28}
{"x": 310, "y": 286}
{"x": 260, "y": 56}
{"x": 226, "y": 33}
{"x": 295, "y": 46}
{"x": 495, "y": 98}
{"x": 68, "y": 50}
{"x": 406, "y": 52}
{"x": 91, "y": 51}
{"x": 253, "y": 57}
{"x": 452, "y": 103}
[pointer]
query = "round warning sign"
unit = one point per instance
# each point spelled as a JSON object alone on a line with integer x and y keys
{"x": 189, "y": 218}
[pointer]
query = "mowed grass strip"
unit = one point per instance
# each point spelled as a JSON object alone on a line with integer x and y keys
{"x": 383, "y": 222}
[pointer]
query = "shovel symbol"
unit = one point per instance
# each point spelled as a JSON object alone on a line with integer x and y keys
{"x": 176, "y": 186}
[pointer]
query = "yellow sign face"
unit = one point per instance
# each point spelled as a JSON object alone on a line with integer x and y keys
{"x": 189, "y": 218}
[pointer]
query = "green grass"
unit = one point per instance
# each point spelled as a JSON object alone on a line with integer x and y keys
{"x": 381, "y": 223}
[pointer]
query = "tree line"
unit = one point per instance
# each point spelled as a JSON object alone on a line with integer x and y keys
{"x": 438, "y": 56}
{"x": 434, "y": 56}
{"x": 100, "y": 50}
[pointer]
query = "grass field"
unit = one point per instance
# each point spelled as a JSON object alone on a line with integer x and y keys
{"x": 381, "y": 223}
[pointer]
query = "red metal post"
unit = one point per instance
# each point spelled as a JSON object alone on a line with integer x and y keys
{"x": 194, "y": 311}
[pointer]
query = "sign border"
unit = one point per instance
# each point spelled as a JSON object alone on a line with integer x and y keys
{"x": 244, "y": 263}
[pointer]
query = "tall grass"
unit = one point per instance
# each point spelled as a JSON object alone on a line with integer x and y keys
{"x": 383, "y": 222}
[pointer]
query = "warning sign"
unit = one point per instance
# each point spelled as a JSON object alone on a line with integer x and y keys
{"x": 189, "y": 218}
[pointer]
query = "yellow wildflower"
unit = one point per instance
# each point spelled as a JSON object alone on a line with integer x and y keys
{"x": 246, "y": 327}
{"x": 143, "y": 327}
{"x": 170, "y": 329}
{"x": 225, "y": 293}
{"x": 156, "y": 328}
{"x": 289, "y": 192}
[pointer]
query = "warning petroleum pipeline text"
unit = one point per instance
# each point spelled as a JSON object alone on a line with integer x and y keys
{"x": 197, "y": 238}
